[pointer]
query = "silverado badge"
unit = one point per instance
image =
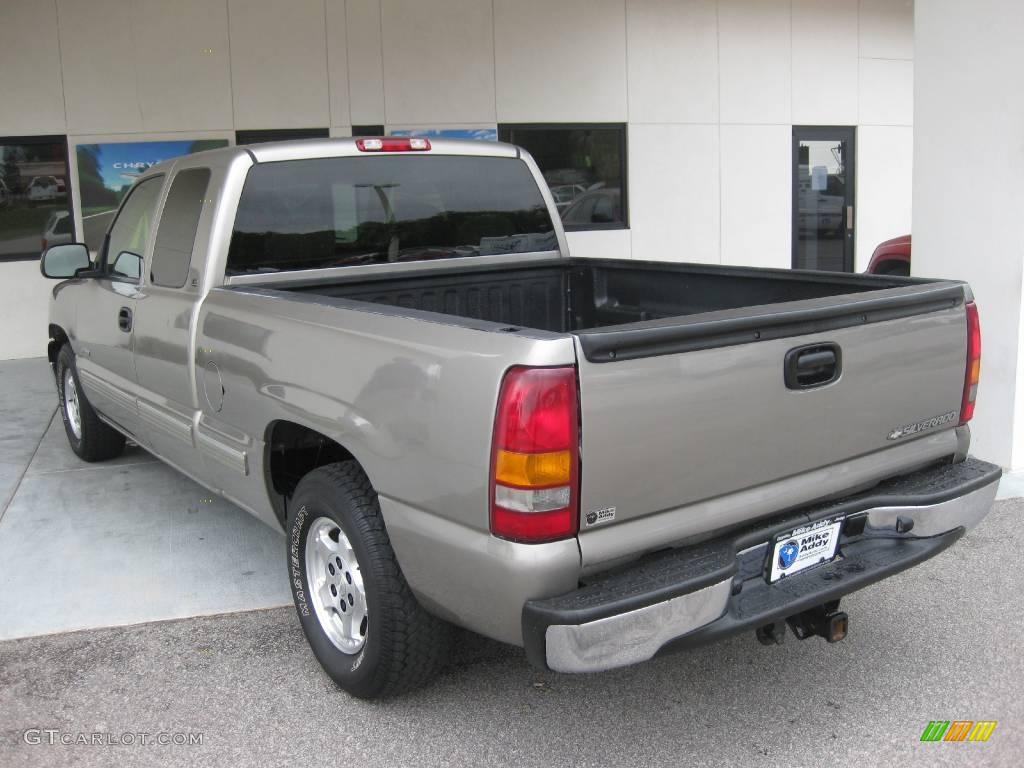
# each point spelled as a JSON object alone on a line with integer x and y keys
{"x": 921, "y": 426}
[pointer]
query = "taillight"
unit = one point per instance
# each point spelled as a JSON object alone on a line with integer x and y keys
{"x": 973, "y": 372}
{"x": 393, "y": 144}
{"x": 535, "y": 456}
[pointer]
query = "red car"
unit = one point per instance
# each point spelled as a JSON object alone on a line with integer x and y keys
{"x": 891, "y": 257}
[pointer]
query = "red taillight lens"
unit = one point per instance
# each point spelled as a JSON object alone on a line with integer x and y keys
{"x": 973, "y": 372}
{"x": 394, "y": 144}
{"x": 535, "y": 456}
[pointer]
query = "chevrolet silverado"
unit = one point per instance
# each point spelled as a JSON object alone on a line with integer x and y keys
{"x": 383, "y": 347}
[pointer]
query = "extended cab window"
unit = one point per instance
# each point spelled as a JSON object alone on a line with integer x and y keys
{"x": 172, "y": 253}
{"x": 127, "y": 241}
{"x": 328, "y": 212}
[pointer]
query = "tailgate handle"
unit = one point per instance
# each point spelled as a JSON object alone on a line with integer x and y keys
{"x": 812, "y": 366}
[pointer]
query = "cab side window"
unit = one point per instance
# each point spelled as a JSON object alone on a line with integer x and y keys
{"x": 127, "y": 243}
{"x": 176, "y": 235}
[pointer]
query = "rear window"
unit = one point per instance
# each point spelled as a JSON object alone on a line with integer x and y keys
{"x": 349, "y": 211}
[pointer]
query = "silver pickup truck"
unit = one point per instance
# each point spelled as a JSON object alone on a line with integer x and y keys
{"x": 383, "y": 347}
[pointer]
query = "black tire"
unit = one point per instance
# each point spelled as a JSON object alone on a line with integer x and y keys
{"x": 98, "y": 441}
{"x": 404, "y": 646}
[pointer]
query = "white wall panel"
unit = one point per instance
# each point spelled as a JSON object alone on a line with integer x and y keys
{"x": 365, "y": 61}
{"x": 427, "y": 78}
{"x": 886, "y": 92}
{"x": 755, "y": 61}
{"x": 600, "y": 244}
{"x": 824, "y": 62}
{"x": 183, "y": 65}
{"x": 673, "y": 192}
{"x": 757, "y": 195}
{"x": 100, "y": 82}
{"x": 885, "y": 159}
{"x": 24, "y": 296}
{"x": 672, "y": 51}
{"x": 887, "y": 29}
{"x": 563, "y": 61}
{"x": 31, "y": 89}
{"x": 279, "y": 63}
{"x": 968, "y": 197}
{"x": 337, "y": 65}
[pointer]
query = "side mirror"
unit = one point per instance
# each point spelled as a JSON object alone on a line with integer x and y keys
{"x": 61, "y": 262}
{"x": 127, "y": 264}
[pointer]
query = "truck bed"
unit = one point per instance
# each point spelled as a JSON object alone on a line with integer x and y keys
{"x": 614, "y": 307}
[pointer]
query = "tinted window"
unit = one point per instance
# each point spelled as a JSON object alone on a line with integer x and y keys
{"x": 131, "y": 228}
{"x": 303, "y": 214}
{"x": 575, "y": 161}
{"x": 172, "y": 253}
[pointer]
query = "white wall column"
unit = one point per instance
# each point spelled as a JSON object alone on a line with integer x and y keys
{"x": 969, "y": 190}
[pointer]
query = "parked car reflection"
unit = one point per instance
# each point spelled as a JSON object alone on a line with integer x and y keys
{"x": 44, "y": 188}
{"x": 598, "y": 206}
{"x": 57, "y": 230}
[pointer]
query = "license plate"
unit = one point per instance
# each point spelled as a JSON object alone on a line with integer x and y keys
{"x": 804, "y": 547}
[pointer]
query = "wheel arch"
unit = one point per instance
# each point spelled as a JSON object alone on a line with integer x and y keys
{"x": 291, "y": 451}
{"x": 58, "y": 338}
{"x": 892, "y": 266}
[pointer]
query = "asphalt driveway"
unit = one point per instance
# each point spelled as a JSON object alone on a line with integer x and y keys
{"x": 940, "y": 642}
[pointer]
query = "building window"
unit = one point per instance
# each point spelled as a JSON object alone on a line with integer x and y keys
{"x": 585, "y": 167}
{"x": 35, "y": 199}
{"x": 367, "y": 130}
{"x": 261, "y": 136}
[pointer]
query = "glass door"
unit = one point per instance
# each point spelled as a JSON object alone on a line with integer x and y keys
{"x": 823, "y": 198}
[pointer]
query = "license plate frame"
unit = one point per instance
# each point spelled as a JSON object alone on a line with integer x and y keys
{"x": 815, "y": 544}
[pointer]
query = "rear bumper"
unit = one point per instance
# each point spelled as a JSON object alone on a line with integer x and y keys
{"x": 699, "y": 594}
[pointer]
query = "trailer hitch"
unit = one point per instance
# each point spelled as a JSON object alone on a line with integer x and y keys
{"x": 825, "y": 621}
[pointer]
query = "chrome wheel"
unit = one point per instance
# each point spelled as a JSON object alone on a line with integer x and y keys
{"x": 71, "y": 407}
{"x": 336, "y": 585}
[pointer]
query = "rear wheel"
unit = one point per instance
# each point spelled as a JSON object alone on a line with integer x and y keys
{"x": 358, "y": 613}
{"x": 88, "y": 435}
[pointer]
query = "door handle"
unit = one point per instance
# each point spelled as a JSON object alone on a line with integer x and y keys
{"x": 849, "y": 218}
{"x": 124, "y": 319}
{"x": 812, "y": 366}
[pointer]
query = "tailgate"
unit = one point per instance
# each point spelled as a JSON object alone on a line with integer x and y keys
{"x": 676, "y": 412}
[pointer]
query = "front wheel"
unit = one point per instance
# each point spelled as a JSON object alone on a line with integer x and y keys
{"x": 358, "y": 613}
{"x": 88, "y": 435}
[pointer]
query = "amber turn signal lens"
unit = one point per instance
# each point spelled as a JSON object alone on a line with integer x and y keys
{"x": 533, "y": 470}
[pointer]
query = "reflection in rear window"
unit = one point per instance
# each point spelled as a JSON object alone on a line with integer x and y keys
{"x": 348, "y": 211}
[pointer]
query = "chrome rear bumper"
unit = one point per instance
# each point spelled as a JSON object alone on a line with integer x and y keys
{"x": 716, "y": 589}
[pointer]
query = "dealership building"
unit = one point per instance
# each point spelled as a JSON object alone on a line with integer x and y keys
{"x": 769, "y": 133}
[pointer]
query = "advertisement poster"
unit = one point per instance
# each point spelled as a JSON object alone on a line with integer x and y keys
{"x": 480, "y": 134}
{"x": 106, "y": 171}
